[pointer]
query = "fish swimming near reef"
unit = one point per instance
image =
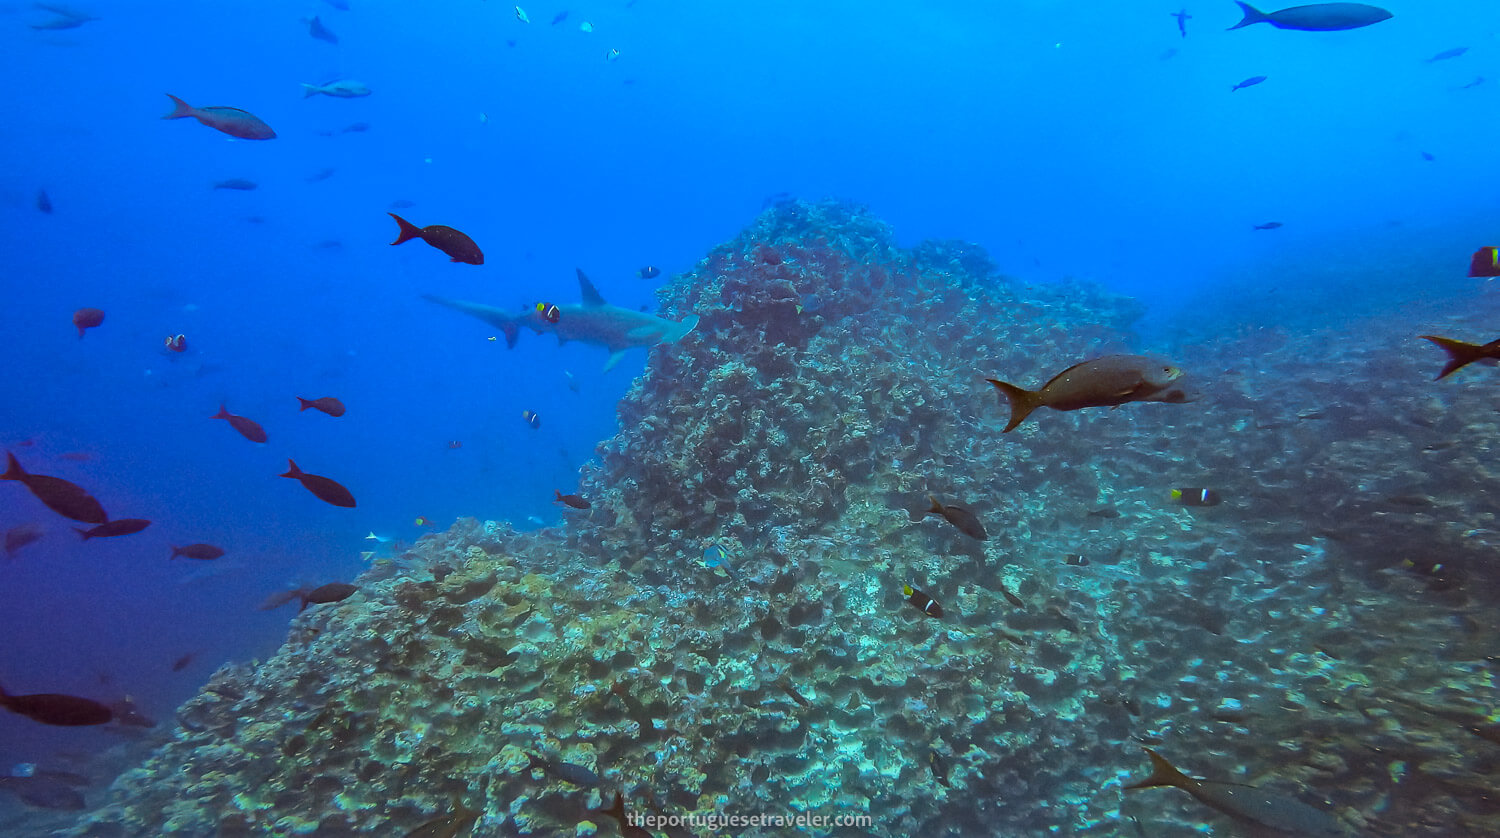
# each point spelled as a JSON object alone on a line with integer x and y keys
{"x": 566, "y": 771}
{"x": 87, "y": 318}
{"x": 959, "y": 516}
{"x": 575, "y": 501}
{"x": 1249, "y": 804}
{"x": 1109, "y": 381}
{"x": 325, "y": 489}
{"x": 1318, "y": 17}
{"x": 325, "y": 594}
{"x": 458, "y": 246}
{"x": 19, "y": 536}
{"x": 627, "y": 828}
{"x": 64, "y": 497}
{"x": 591, "y": 321}
{"x": 202, "y": 552}
{"x": 1485, "y": 262}
{"x": 922, "y": 602}
{"x": 56, "y": 709}
{"x": 327, "y": 404}
{"x": 316, "y": 29}
{"x": 111, "y": 529}
{"x": 248, "y": 428}
{"x": 1447, "y": 54}
{"x": 1462, "y": 353}
{"x": 1250, "y": 82}
{"x": 231, "y": 121}
{"x": 341, "y": 89}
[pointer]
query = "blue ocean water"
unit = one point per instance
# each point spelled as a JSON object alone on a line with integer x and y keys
{"x": 1060, "y": 136}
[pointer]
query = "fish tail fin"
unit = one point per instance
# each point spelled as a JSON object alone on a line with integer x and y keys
{"x": 1163, "y": 773}
{"x": 310, "y": 90}
{"x": 408, "y": 231}
{"x": 1252, "y": 15}
{"x": 616, "y": 811}
{"x": 1022, "y": 402}
{"x": 82, "y": 533}
{"x": 176, "y": 551}
{"x": 1460, "y": 353}
{"x": 302, "y": 595}
{"x": 222, "y": 414}
{"x": 180, "y": 109}
{"x": 534, "y": 761}
{"x": 305, "y": 403}
{"x": 291, "y": 469}
{"x": 13, "y": 470}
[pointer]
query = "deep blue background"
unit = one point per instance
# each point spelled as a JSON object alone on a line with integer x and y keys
{"x": 1056, "y": 134}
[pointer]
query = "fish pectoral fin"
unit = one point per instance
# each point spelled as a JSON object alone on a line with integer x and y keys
{"x": 614, "y": 358}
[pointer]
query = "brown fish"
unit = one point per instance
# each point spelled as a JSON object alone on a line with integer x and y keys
{"x": 248, "y": 428}
{"x": 232, "y": 121}
{"x": 327, "y": 404}
{"x": 575, "y": 501}
{"x": 324, "y": 594}
{"x": 19, "y": 536}
{"x": 87, "y": 318}
{"x": 958, "y": 516}
{"x": 203, "y": 552}
{"x": 1103, "y": 382}
{"x": 1462, "y": 353}
{"x": 66, "y": 499}
{"x": 56, "y": 709}
{"x": 184, "y": 662}
{"x": 110, "y": 529}
{"x": 459, "y": 247}
{"x": 328, "y": 491}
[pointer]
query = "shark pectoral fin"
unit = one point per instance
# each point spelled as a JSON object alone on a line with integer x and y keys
{"x": 682, "y": 328}
{"x": 614, "y": 358}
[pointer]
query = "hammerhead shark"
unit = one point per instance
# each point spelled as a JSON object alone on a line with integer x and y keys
{"x": 590, "y": 321}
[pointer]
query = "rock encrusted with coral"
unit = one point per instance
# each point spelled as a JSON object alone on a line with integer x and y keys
{"x": 834, "y": 383}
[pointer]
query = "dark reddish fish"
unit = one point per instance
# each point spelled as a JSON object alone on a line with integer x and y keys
{"x": 232, "y": 121}
{"x": 327, "y": 404}
{"x": 205, "y": 552}
{"x": 183, "y": 662}
{"x": 323, "y": 594}
{"x": 328, "y": 491}
{"x": 110, "y": 529}
{"x": 56, "y": 709}
{"x": 87, "y": 318}
{"x": 575, "y": 501}
{"x": 66, "y": 499}
{"x": 248, "y": 428}
{"x": 19, "y": 536}
{"x": 459, "y": 247}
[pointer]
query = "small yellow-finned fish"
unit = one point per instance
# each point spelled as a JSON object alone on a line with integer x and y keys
{"x": 922, "y": 602}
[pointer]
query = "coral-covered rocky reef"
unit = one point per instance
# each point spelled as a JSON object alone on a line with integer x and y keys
{"x": 1323, "y": 632}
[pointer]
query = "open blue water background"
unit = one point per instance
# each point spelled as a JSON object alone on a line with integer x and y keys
{"x": 1057, "y": 135}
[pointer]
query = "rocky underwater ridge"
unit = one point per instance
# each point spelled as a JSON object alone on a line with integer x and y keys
{"x": 1325, "y": 633}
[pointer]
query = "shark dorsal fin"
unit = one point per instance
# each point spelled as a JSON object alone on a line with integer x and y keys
{"x": 590, "y": 293}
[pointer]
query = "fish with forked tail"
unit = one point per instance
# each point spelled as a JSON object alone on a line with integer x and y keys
{"x": 959, "y": 516}
{"x": 231, "y": 121}
{"x": 458, "y": 246}
{"x": 1462, "y": 353}
{"x": 1109, "y": 381}
{"x": 1249, "y": 804}
{"x": 1317, "y": 17}
{"x": 327, "y": 490}
{"x": 590, "y": 321}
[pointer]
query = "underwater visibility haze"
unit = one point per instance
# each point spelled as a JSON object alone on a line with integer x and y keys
{"x": 661, "y": 418}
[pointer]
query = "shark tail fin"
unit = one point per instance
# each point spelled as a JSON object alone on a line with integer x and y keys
{"x": 1163, "y": 773}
